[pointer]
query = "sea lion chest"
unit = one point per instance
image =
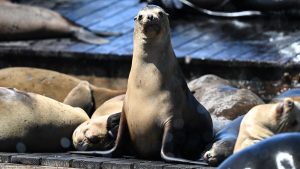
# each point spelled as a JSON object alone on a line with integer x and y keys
{"x": 148, "y": 105}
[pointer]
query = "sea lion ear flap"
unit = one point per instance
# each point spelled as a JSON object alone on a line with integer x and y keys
{"x": 279, "y": 110}
{"x": 288, "y": 104}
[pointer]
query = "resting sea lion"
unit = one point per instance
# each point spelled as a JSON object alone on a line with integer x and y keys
{"x": 163, "y": 117}
{"x": 81, "y": 96}
{"x": 100, "y": 132}
{"x": 294, "y": 94}
{"x": 266, "y": 120}
{"x": 29, "y": 22}
{"x": 277, "y": 152}
{"x": 31, "y": 122}
{"x": 223, "y": 143}
{"x": 50, "y": 83}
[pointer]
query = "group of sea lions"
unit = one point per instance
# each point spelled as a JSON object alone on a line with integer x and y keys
{"x": 157, "y": 116}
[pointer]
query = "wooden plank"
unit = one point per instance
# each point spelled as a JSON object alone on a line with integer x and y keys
{"x": 88, "y": 9}
{"x": 20, "y": 166}
{"x": 151, "y": 165}
{"x": 89, "y": 163}
{"x": 183, "y": 166}
{"x": 28, "y": 159}
{"x": 60, "y": 160}
{"x": 105, "y": 13}
{"x": 125, "y": 15}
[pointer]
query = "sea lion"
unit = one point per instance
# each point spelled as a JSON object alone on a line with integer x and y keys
{"x": 277, "y": 152}
{"x": 100, "y": 132}
{"x": 81, "y": 96}
{"x": 160, "y": 114}
{"x": 294, "y": 94}
{"x": 29, "y": 22}
{"x": 223, "y": 143}
{"x": 266, "y": 120}
{"x": 49, "y": 83}
{"x": 34, "y": 123}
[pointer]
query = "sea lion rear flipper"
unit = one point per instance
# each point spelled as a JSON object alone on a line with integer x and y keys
{"x": 89, "y": 37}
{"x": 115, "y": 151}
{"x": 168, "y": 147}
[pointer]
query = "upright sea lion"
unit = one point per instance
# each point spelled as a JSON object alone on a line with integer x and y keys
{"x": 100, "y": 132}
{"x": 49, "y": 83}
{"x": 29, "y": 22}
{"x": 277, "y": 152}
{"x": 162, "y": 116}
{"x": 266, "y": 120}
{"x": 31, "y": 122}
{"x": 223, "y": 143}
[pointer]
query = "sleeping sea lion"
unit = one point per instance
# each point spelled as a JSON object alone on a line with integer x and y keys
{"x": 223, "y": 143}
{"x": 160, "y": 114}
{"x": 266, "y": 120}
{"x": 277, "y": 152}
{"x": 50, "y": 83}
{"x": 23, "y": 22}
{"x": 34, "y": 123}
{"x": 100, "y": 132}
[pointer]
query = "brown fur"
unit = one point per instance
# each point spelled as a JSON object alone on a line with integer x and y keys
{"x": 93, "y": 134}
{"x": 36, "y": 122}
{"x": 50, "y": 83}
{"x": 266, "y": 120}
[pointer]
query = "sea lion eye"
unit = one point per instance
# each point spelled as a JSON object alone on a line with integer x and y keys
{"x": 290, "y": 104}
{"x": 160, "y": 13}
{"x": 139, "y": 17}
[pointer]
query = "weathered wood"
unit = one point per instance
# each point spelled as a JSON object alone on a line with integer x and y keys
{"x": 60, "y": 160}
{"x": 20, "y": 166}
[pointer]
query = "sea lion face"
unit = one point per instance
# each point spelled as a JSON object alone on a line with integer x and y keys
{"x": 288, "y": 115}
{"x": 98, "y": 134}
{"x": 219, "y": 151}
{"x": 151, "y": 22}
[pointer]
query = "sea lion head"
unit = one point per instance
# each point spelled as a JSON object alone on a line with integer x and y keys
{"x": 287, "y": 115}
{"x": 97, "y": 134}
{"x": 219, "y": 151}
{"x": 151, "y": 22}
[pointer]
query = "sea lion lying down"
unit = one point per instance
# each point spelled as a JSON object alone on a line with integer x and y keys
{"x": 33, "y": 123}
{"x": 100, "y": 132}
{"x": 230, "y": 8}
{"x": 23, "y": 22}
{"x": 264, "y": 121}
{"x": 74, "y": 92}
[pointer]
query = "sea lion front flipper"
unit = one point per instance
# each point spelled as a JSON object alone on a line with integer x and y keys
{"x": 81, "y": 96}
{"x": 168, "y": 147}
{"x": 89, "y": 37}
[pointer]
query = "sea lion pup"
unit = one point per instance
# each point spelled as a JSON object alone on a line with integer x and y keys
{"x": 29, "y": 22}
{"x": 100, "y": 132}
{"x": 163, "y": 117}
{"x": 277, "y": 152}
{"x": 49, "y": 83}
{"x": 223, "y": 143}
{"x": 31, "y": 122}
{"x": 266, "y": 120}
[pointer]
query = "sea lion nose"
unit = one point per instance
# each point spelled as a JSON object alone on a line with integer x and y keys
{"x": 150, "y": 17}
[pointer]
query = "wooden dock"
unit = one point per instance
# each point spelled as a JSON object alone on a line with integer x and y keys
{"x": 65, "y": 160}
